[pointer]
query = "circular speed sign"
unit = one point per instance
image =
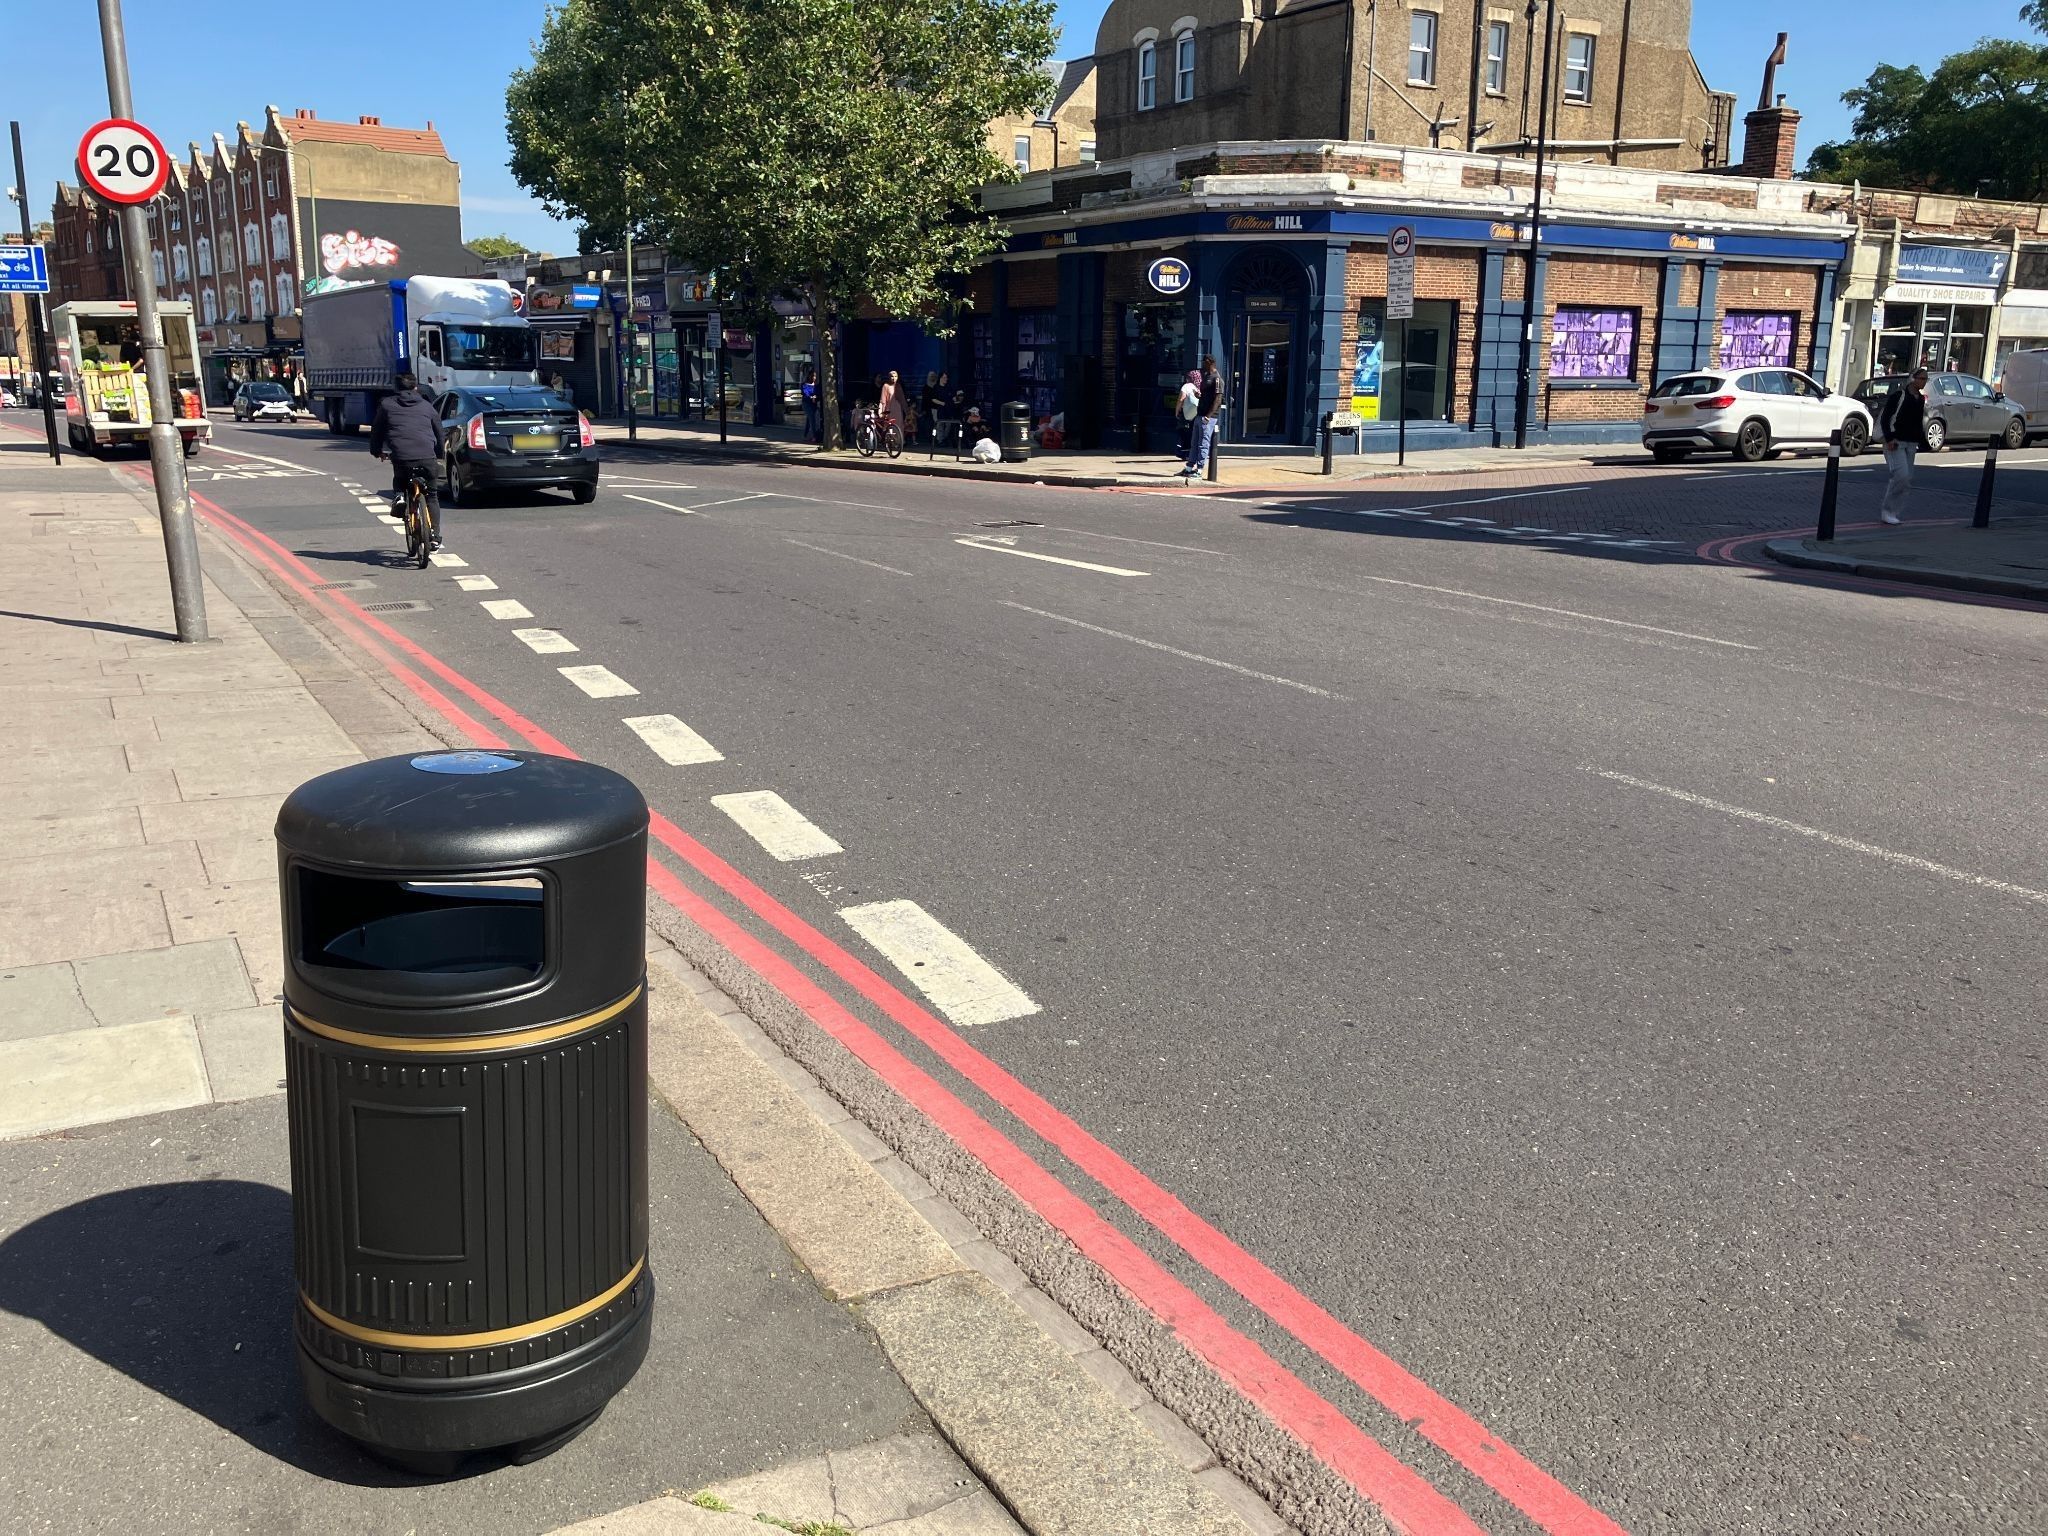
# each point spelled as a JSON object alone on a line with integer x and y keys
{"x": 123, "y": 161}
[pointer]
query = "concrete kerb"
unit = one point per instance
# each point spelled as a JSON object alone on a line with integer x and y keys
{"x": 1803, "y": 554}
{"x": 843, "y": 1215}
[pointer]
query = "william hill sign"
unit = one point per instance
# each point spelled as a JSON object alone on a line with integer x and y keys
{"x": 1264, "y": 223}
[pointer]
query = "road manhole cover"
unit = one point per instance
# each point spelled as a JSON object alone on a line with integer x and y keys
{"x": 343, "y": 586}
{"x": 402, "y": 605}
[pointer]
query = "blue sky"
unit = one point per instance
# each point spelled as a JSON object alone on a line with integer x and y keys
{"x": 406, "y": 62}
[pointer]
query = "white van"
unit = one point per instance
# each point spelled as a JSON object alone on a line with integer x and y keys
{"x": 2025, "y": 383}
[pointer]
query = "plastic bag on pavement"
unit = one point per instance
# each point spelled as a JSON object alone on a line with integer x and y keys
{"x": 986, "y": 452}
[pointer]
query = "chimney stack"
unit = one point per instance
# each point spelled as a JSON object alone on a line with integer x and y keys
{"x": 1769, "y": 137}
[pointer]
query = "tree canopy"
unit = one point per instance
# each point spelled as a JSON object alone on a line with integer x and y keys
{"x": 830, "y": 148}
{"x": 494, "y": 247}
{"x": 1978, "y": 125}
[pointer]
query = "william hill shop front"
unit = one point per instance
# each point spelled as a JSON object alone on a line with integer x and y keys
{"x": 1097, "y": 314}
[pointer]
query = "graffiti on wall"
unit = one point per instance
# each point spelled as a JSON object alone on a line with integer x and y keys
{"x": 340, "y": 253}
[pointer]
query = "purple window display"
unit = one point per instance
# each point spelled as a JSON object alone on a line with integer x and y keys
{"x": 1593, "y": 344}
{"x": 1750, "y": 339}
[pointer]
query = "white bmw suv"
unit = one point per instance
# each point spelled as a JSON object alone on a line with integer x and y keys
{"x": 1754, "y": 414}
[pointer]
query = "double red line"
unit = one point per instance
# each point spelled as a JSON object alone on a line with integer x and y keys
{"x": 1409, "y": 1502}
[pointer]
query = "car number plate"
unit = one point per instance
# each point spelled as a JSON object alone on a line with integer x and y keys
{"x": 527, "y": 442}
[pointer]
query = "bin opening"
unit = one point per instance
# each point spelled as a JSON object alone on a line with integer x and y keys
{"x": 476, "y": 935}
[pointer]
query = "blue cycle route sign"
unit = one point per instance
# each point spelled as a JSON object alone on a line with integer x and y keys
{"x": 23, "y": 269}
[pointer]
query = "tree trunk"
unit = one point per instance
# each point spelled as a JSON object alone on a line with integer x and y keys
{"x": 823, "y": 314}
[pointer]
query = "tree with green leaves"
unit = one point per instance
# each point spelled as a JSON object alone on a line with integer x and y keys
{"x": 494, "y": 247}
{"x": 832, "y": 149}
{"x": 1977, "y": 126}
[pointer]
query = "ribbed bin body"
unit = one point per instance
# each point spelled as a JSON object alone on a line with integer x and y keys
{"x": 466, "y": 1073}
{"x": 1014, "y": 423}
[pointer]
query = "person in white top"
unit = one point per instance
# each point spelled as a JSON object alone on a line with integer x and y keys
{"x": 1188, "y": 408}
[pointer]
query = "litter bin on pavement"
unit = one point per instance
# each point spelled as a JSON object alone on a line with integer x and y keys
{"x": 1013, "y": 420}
{"x": 465, "y": 1013}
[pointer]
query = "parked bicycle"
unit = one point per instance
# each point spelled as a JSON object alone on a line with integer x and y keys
{"x": 874, "y": 430}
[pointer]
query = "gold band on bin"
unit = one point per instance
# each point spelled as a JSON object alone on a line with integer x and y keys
{"x": 409, "y": 1045}
{"x": 441, "y": 1341}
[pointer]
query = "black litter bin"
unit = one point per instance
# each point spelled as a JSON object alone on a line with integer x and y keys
{"x": 1013, "y": 420}
{"x": 466, "y": 1075}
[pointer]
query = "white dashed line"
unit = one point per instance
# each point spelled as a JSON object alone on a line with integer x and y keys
{"x": 476, "y": 584}
{"x": 506, "y": 608}
{"x": 666, "y": 506}
{"x": 776, "y": 825}
{"x": 1081, "y": 565}
{"x": 546, "y": 641}
{"x": 953, "y": 978}
{"x": 856, "y": 559}
{"x": 263, "y": 458}
{"x": 672, "y": 741}
{"x": 442, "y": 557}
{"x": 1868, "y": 850}
{"x": 1174, "y": 650}
{"x": 1567, "y": 613}
{"x": 599, "y": 682}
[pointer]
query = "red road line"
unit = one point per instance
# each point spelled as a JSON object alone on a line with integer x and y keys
{"x": 1552, "y": 1506}
{"x": 1402, "y": 1494}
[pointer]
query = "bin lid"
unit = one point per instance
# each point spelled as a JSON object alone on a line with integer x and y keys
{"x": 453, "y": 811}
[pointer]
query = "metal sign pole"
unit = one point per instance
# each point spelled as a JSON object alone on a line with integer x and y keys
{"x": 40, "y": 338}
{"x": 1401, "y": 399}
{"x": 166, "y": 450}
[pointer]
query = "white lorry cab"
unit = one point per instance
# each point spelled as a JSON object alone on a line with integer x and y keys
{"x": 447, "y": 331}
{"x": 106, "y": 390}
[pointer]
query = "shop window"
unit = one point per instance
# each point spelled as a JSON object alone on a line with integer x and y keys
{"x": 1422, "y": 48}
{"x": 1578, "y": 67}
{"x": 1593, "y": 344}
{"x": 1148, "y": 76}
{"x": 1753, "y": 339}
{"x": 1497, "y": 58}
{"x": 1385, "y": 383}
{"x": 1021, "y": 152}
{"x": 1184, "y": 67}
{"x": 1038, "y": 362}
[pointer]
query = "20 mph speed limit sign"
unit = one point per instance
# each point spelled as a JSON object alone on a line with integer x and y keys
{"x": 123, "y": 161}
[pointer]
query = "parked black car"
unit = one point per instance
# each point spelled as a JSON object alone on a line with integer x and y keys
{"x": 1960, "y": 407}
{"x": 516, "y": 437}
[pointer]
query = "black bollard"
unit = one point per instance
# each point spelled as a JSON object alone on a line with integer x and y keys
{"x": 1982, "y": 517}
{"x": 1829, "y": 488}
{"x": 1329, "y": 442}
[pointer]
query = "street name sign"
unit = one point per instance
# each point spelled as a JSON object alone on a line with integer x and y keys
{"x": 1401, "y": 273}
{"x": 122, "y": 161}
{"x": 24, "y": 269}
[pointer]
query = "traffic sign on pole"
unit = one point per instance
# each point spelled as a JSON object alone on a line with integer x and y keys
{"x": 1400, "y": 273}
{"x": 122, "y": 161}
{"x": 24, "y": 269}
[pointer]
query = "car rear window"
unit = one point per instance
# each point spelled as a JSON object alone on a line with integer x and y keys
{"x": 521, "y": 400}
{"x": 1691, "y": 384}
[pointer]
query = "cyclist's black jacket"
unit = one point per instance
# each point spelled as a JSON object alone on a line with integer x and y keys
{"x": 408, "y": 428}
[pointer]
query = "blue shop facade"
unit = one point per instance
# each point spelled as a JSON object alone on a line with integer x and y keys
{"x": 1094, "y": 318}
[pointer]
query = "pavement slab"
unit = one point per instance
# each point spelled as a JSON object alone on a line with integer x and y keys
{"x": 42, "y": 1000}
{"x": 150, "y": 983}
{"x": 90, "y": 1076}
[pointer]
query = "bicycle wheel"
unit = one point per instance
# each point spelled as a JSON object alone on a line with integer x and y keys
{"x": 895, "y": 441}
{"x": 864, "y": 440}
{"x": 418, "y": 532}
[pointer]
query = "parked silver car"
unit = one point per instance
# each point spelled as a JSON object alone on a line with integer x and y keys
{"x": 1753, "y": 413}
{"x": 1960, "y": 408}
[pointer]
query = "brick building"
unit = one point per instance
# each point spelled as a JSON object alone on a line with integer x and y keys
{"x": 1061, "y": 132}
{"x": 250, "y": 221}
{"x": 1455, "y": 74}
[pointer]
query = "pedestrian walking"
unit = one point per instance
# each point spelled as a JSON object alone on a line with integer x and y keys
{"x": 1201, "y": 440}
{"x": 1902, "y": 421}
{"x": 1186, "y": 410}
{"x": 812, "y": 419}
{"x": 929, "y": 399}
{"x": 890, "y": 406}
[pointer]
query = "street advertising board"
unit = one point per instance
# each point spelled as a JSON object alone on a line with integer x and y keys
{"x": 24, "y": 269}
{"x": 122, "y": 161}
{"x": 1169, "y": 274}
{"x": 1401, "y": 273}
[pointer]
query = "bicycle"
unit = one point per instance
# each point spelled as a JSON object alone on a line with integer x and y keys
{"x": 418, "y": 519}
{"x": 873, "y": 431}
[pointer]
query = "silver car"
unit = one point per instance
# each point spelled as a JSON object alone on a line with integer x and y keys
{"x": 1753, "y": 413}
{"x": 261, "y": 400}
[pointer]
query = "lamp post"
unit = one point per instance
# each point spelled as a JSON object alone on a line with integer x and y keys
{"x": 33, "y": 303}
{"x": 1522, "y": 382}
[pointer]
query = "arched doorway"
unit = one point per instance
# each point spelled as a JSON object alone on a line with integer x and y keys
{"x": 1266, "y": 299}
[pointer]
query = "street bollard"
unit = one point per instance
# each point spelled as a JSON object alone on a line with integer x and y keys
{"x": 1829, "y": 488}
{"x": 1329, "y": 442}
{"x": 1216, "y": 452}
{"x": 465, "y": 1011}
{"x": 1981, "y": 518}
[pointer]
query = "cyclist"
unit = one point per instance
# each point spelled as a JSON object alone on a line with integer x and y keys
{"x": 408, "y": 432}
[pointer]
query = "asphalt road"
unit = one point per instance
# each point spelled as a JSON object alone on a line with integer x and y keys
{"x": 1606, "y": 980}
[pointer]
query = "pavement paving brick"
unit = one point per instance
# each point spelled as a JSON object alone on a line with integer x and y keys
{"x": 205, "y": 750}
{"x": 261, "y": 703}
{"x": 231, "y": 818}
{"x": 39, "y": 765}
{"x": 64, "y": 796}
{"x": 800, "y": 1491}
{"x": 979, "y": 1514}
{"x": 41, "y": 1000}
{"x": 227, "y": 779}
{"x": 153, "y": 983}
{"x": 1189, "y": 1448}
{"x": 245, "y": 910}
{"x": 244, "y": 1052}
{"x": 45, "y": 927}
{"x": 89, "y": 1076}
{"x": 1067, "y": 1455}
{"x": 853, "y": 1232}
{"x": 53, "y": 832}
{"x": 896, "y": 1479}
{"x": 667, "y": 1516}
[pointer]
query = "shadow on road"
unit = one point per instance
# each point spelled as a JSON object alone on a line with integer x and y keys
{"x": 186, "y": 1288}
{"x": 1391, "y": 525}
